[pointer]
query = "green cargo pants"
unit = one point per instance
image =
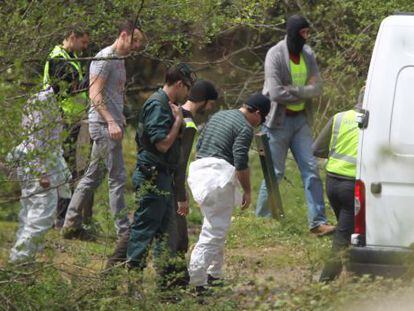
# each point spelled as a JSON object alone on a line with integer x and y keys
{"x": 152, "y": 218}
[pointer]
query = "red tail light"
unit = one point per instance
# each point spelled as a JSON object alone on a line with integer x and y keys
{"x": 359, "y": 207}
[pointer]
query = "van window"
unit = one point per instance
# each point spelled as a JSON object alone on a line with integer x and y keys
{"x": 402, "y": 122}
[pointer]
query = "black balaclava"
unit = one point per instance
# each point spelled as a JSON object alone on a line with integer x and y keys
{"x": 295, "y": 41}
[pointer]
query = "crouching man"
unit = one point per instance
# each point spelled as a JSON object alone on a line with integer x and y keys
{"x": 42, "y": 173}
{"x": 222, "y": 163}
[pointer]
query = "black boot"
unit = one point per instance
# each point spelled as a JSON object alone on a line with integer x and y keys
{"x": 215, "y": 282}
{"x": 331, "y": 271}
{"x": 173, "y": 273}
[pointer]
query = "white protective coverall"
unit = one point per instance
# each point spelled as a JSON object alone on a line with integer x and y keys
{"x": 40, "y": 154}
{"x": 214, "y": 186}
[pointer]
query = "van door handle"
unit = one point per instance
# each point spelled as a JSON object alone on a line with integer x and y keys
{"x": 362, "y": 119}
{"x": 376, "y": 187}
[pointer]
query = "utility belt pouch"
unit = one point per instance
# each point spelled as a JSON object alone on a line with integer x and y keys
{"x": 147, "y": 170}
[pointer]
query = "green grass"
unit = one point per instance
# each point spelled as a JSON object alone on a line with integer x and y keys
{"x": 269, "y": 265}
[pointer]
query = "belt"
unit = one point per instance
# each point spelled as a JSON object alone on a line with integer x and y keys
{"x": 151, "y": 170}
{"x": 291, "y": 113}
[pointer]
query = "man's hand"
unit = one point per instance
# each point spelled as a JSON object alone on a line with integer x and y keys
{"x": 183, "y": 208}
{"x": 44, "y": 181}
{"x": 291, "y": 89}
{"x": 165, "y": 144}
{"x": 243, "y": 177}
{"x": 246, "y": 201}
{"x": 313, "y": 80}
{"x": 115, "y": 132}
{"x": 177, "y": 112}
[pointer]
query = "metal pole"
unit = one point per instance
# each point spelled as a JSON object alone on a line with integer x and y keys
{"x": 274, "y": 199}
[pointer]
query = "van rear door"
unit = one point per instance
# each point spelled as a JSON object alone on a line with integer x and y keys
{"x": 386, "y": 151}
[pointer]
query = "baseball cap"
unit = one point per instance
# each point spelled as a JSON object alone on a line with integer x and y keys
{"x": 259, "y": 102}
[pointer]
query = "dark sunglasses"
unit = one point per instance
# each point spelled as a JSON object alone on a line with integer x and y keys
{"x": 188, "y": 73}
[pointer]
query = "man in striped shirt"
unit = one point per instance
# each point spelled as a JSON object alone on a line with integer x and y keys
{"x": 222, "y": 163}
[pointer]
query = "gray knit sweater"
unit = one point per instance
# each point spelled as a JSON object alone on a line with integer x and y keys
{"x": 278, "y": 83}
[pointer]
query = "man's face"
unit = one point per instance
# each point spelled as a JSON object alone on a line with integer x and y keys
{"x": 80, "y": 44}
{"x": 133, "y": 42}
{"x": 183, "y": 88}
{"x": 207, "y": 107}
{"x": 304, "y": 33}
{"x": 258, "y": 118}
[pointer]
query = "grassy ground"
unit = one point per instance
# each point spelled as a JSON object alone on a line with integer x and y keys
{"x": 268, "y": 266}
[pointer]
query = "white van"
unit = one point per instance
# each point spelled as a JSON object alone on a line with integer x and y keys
{"x": 384, "y": 192}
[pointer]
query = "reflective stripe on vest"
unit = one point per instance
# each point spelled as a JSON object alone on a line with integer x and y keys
{"x": 299, "y": 78}
{"x": 343, "y": 147}
{"x": 189, "y": 122}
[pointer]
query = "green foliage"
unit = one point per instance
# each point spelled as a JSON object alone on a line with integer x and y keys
{"x": 343, "y": 35}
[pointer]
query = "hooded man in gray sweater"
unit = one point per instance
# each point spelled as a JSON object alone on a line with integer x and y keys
{"x": 291, "y": 81}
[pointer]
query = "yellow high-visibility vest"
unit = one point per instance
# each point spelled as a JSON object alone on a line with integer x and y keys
{"x": 189, "y": 123}
{"x": 73, "y": 106}
{"x": 343, "y": 146}
{"x": 299, "y": 74}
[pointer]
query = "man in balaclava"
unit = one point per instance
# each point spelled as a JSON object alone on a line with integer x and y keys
{"x": 296, "y": 27}
{"x": 291, "y": 81}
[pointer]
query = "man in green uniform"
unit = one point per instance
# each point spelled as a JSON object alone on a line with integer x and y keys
{"x": 158, "y": 155}
{"x": 200, "y": 101}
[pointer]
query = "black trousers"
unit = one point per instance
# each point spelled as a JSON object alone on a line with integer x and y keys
{"x": 340, "y": 193}
{"x": 178, "y": 233}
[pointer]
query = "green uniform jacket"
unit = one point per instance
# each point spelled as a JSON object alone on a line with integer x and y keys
{"x": 155, "y": 122}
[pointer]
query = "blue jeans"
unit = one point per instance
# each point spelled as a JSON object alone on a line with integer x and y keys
{"x": 296, "y": 135}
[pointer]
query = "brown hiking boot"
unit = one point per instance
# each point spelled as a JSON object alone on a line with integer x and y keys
{"x": 120, "y": 252}
{"x": 77, "y": 233}
{"x": 323, "y": 229}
